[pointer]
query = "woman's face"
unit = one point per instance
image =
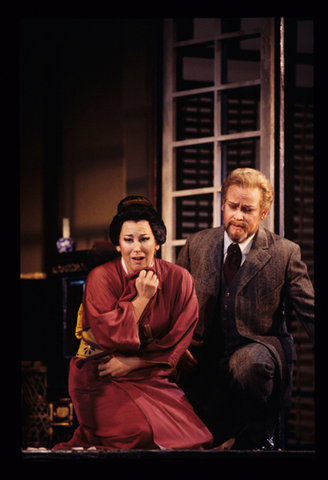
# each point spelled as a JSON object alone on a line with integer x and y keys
{"x": 137, "y": 245}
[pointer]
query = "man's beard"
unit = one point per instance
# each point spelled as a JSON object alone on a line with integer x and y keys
{"x": 237, "y": 236}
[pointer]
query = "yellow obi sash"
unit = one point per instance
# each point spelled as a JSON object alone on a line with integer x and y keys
{"x": 88, "y": 345}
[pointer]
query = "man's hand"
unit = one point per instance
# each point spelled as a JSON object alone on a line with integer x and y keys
{"x": 187, "y": 362}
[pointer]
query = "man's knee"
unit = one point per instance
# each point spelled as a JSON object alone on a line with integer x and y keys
{"x": 251, "y": 364}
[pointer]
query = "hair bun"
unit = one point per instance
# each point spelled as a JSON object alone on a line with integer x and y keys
{"x": 133, "y": 201}
{"x": 137, "y": 208}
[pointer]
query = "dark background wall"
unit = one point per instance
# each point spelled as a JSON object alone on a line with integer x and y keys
{"x": 88, "y": 95}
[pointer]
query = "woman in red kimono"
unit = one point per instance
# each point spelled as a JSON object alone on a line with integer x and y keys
{"x": 137, "y": 318}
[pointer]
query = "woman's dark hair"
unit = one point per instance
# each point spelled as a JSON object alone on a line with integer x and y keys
{"x": 137, "y": 208}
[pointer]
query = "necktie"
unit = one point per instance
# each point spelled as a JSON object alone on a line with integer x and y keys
{"x": 232, "y": 263}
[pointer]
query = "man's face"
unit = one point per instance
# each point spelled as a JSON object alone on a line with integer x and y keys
{"x": 241, "y": 212}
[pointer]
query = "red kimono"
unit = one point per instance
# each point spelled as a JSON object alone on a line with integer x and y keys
{"x": 143, "y": 409}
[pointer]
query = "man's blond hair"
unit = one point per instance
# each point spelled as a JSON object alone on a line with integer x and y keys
{"x": 250, "y": 178}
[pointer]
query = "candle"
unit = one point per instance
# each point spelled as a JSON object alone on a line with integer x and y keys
{"x": 66, "y": 232}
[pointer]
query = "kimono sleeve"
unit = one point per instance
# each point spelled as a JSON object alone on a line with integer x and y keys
{"x": 108, "y": 310}
{"x": 176, "y": 341}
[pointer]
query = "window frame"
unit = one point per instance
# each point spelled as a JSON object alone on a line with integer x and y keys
{"x": 266, "y": 133}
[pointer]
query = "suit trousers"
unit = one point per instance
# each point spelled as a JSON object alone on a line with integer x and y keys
{"x": 240, "y": 398}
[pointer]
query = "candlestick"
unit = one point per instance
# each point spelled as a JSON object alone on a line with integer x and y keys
{"x": 66, "y": 230}
{"x": 66, "y": 244}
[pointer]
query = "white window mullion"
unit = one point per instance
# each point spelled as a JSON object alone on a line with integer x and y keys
{"x": 267, "y": 111}
{"x": 168, "y": 136}
{"x": 217, "y": 132}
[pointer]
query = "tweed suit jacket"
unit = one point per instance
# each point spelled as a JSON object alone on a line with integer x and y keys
{"x": 273, "y": 271}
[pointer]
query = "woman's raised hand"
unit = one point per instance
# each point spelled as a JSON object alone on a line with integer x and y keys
{"x": 146, "y": 284}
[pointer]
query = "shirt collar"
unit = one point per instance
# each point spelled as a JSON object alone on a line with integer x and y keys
{"x": 245, "y": 246}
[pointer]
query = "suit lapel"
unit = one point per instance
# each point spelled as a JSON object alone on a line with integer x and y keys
{"x": 214, "y": 259}
{"x": 258, "y": 256}
{"x": 207, "y": 277}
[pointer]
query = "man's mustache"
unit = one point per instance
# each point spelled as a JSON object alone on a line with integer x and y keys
{"x": 237, "y": 224}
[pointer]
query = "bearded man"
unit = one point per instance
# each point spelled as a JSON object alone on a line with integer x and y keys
{"x": 237, "y": 372}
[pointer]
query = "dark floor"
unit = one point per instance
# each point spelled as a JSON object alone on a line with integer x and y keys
{"x": 40, "y": 464}
{"x": 30, "y": 455}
